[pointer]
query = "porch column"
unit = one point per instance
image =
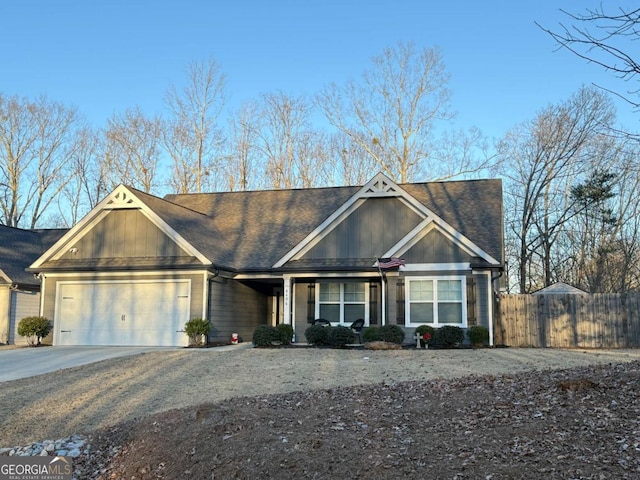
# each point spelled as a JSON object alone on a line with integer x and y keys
{"x": 286, "y": 293}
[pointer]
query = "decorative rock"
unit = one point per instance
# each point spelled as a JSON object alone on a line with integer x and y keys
{"x": 72, "y": 446}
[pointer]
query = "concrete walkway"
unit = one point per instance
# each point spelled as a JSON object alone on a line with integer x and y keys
{"x": 16, "y": 363}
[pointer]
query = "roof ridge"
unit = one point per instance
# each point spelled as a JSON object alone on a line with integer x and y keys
{"x": 163, "y": 199}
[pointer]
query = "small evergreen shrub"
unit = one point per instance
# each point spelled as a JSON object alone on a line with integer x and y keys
{"x": 317, "y": 335}
{"x": 448, "y": 336}
{"x": 478, "y": 335}
{"x": 285, "y": 333}
{"x": 392, "y": 334}
{"x": 196, "y": 328}
{"x": 34, "y": 328}
{"x": 340, "y": 336}
{"x": 371, "y": 334}
{"x": 264, "y": 336}
{"x": 422, "y": 329}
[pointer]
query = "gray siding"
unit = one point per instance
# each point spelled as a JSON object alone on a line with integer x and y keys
{"x": 124, "y": 234}
{"x": 197, "y": 293}
{"x": 235, "y": 308}
{"x": 483, "y": 307}
{"x": 301, "y": 312}
{"x": 435, "y": 248}
{"x": 23, "y": 304}
{"x": 5, "y": 311}
{"x": 373, "y": 228}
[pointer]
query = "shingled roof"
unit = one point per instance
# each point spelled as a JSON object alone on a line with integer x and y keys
{"x": 19, "y": 248}
{"x": 253, "y": 230}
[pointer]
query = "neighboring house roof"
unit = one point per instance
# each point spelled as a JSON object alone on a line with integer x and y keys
{"x": 19, "y": 248}
{"x": 560, "y": 288}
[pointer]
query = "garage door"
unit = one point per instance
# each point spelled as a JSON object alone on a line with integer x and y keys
{"x": 145, "y": 313}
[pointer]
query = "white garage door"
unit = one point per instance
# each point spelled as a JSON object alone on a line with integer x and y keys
{"x": 145, "y": 313}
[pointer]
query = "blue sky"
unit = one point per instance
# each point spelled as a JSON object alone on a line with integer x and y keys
{"x": 106, "y": 56}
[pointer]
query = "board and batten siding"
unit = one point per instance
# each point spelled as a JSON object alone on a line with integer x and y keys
{"x": 434, "y": 247}
{"x": 374, "y": 227}
{"x": 235, "y": 308}
{"x": 124, "y": 234}
{"x": 49, "y": 307}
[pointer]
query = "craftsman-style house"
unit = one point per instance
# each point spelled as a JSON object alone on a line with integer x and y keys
{"x": 137, "y": 267}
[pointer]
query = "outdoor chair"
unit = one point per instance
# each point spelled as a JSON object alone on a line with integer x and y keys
{"x": 357, "y": 328}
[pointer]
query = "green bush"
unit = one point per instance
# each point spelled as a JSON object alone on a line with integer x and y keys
{"x": 478, "y": 335}
{"x": 264, "y": 336}
{"x": 392, "y": 334}
{"x": 285, "y": 333}
{"x": 196, "y": 328}
{"x": 448, "y": 336}
{"x": 34, "y": 328}
{"x": 371, "y": 334}
{"x": 340, "y": 336}
{"x": 422, "y": 329}
{"x": 317, "y": 335}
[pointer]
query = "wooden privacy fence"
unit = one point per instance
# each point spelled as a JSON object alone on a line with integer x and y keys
{"x": 569, "y": 320}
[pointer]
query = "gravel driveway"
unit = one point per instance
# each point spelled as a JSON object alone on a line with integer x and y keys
{"x": 84, "y": 398}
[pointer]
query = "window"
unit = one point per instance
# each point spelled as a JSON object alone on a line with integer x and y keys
{"x": 342, "y": 303}
{"x": 436, "y": 301}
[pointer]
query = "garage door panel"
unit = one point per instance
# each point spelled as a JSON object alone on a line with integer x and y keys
{"x": 120, "y": 313}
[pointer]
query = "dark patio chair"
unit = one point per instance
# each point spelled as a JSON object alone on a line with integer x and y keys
{"x": 321, "y": 322}
{"x": 357, "y": 328}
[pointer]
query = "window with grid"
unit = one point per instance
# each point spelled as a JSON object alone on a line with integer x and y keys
{"x": 342, "y": 303}
{"x": 435, "y": 301}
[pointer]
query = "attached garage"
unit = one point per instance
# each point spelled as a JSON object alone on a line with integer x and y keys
{"x": 123, "y": 313}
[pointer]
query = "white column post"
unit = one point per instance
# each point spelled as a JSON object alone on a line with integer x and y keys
{"x": 287, "y": 299}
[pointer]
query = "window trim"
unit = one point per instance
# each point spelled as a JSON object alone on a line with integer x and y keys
{"x": 342, "y": 303}
{"x": 407, "y": 299}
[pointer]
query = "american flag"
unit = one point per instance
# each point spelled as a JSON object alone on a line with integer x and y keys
{"x": 391, "y": 262}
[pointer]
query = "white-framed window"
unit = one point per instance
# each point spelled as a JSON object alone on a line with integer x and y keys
{"x": 436, "y": 301}
{"x": 342, "y": 303}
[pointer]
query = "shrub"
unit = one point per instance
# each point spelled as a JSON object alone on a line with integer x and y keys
{"x": 34, "y": 328}
{"x": 317, "y": 335}
{"x": 285, "y": 333}
{"x": 340, "y": 336}
{"x": 264, "y": 336}
{"x": 371, "y": 334}
{"x": 392, "y": 334}
{"x": 478, "y": 335}
{"x": 448, "y": 336}
{"x": 422, "y": 329}
{"x": 196, "y": 328}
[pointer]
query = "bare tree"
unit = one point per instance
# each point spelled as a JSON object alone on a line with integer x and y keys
{"x": 241, "y": 167}
{"x": 605, "y": 38}
{"x": 288, "y": 143}
{"x": 541, "y": 160}
{"x": 88, "y": 180}
{"x": 352, "y": 163}
{"x": 392, "y": 111}
{"x": 132, "y": 149}
{"x": 192, "y": 137}
{"x": 35, "y": 148}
